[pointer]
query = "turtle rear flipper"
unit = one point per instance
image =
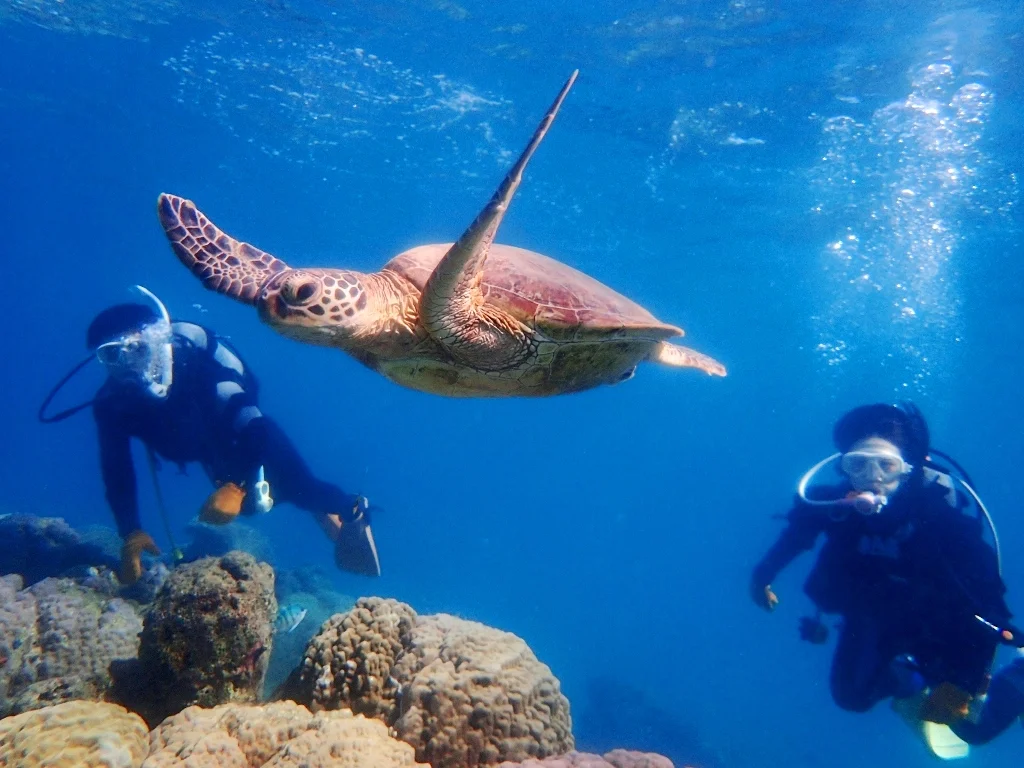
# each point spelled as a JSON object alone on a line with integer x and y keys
{"x": 224, "y": 265}
{"x": 678, "y": 356}
{"x": 451, "y": 306}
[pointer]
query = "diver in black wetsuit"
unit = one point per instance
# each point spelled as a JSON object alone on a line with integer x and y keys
{"x": 187, "y": 395}
{"x": 904, "y": 563}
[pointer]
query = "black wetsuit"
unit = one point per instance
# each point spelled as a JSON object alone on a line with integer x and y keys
{"x": 1004, "y": 704}
{"x": 906, "y": 581}
{"x": 210, "y": 416}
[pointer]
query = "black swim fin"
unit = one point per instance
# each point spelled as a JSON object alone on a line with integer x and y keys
{"x": 355, "y": 550}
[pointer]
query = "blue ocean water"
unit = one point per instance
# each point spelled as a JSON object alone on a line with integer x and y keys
{"x": 825, "y": 196}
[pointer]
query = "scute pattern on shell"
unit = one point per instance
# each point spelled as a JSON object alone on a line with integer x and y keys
{"x": 539, "y": 291}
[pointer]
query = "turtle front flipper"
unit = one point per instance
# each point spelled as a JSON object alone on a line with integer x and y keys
{"x": 451, "y": 307}
{"x": 225, "y": 265}
{"x": 678, "y": 356}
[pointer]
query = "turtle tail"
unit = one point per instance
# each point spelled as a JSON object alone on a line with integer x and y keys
{"x": 223, "y": 264}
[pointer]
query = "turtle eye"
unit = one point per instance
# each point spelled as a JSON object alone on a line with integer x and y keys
{"x": 300, "y": 290}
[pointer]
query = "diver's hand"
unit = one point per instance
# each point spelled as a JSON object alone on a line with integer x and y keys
{"x": 763, "y": 596}
{"x": 135, "y": 544}
{"x": 813, "y": 630}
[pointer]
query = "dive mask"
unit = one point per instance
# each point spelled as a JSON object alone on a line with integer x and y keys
{"x": 145, "y": 356}
{"x": 874, "y": 465}
{"x": 863, "y": 502}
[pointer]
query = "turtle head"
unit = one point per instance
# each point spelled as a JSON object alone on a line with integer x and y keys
{"x": 320, "y": 306}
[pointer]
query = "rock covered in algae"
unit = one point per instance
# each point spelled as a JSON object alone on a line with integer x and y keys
{"x": 206, "y": 639}
{"x": 75, "y": 734}
{"x": 58, "y": 640}
{"x": 462, "y": 693}
{"x": 282, "y": 734}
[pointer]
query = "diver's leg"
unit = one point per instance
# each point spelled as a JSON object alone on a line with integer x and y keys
{"x": 288, "y": 474}
{"x": 859, "y": 666}
{"x": 342, "y": 516}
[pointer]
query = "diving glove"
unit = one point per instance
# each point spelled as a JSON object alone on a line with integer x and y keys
{"x": 135, "y": 544}
{"x": 223, "y": 505}
{"x": 354, "y": 548}
{"x": 763, "y": 596}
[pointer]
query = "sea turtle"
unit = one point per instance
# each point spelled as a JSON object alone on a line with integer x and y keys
{"x": 468, "y": 319}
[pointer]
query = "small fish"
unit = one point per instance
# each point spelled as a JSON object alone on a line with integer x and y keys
{"x": 288, "y": 618}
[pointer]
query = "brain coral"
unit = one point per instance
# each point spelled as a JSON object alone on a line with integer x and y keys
{"x": 76, "y": 734}
{"x": 281, "y": 734}
{"x": 57, "y": 642}
{"x": 206, "y": 640}
{"x": 349, "y": 663}
{"x": 462, "y": 693}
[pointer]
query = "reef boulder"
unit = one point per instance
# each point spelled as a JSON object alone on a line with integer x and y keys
{"x": 58, "y": 640}
{"x": 460, "y": 692}
{"x": 206, "y": 639}
{"x": 76, "y": 734}
{"x": 40, "y": 547}
{"x": 282, "y": 734}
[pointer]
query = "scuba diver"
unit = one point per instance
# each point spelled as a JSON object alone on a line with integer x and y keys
{"x": 188, "y": 397}
{"x": 905, "y": 564}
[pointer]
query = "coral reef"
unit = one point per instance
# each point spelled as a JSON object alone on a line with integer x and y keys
{"x": 58, "y": 640}
{"x": 462, "y": 693}
{"x": 617, "y": 758}
{"x": 282, "y": 734}
{"x": 349, "y": 663}
{"x": 290, "y": 647}
{"x": 206, "y": 639}
{"x": 76, "y": 734}
{"x": 39, "y": 547}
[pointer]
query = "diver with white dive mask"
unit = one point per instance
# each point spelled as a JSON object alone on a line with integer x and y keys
{"x": 189, "y": 397}
{"x": 905, "y": 563}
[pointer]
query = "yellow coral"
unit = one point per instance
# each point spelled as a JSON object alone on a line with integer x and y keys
{"x": 278, "y": 735}
{"x": 75, "y": 734}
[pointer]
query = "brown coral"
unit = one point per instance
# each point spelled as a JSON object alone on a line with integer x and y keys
{"x": 349, "y": 663}
{"x": 475, "y": 695}
{"x": 462, "y": 693}
{"x": 76, "y": 734}
{"x": 278, "y": 735}
{"x": 57, "y": 641}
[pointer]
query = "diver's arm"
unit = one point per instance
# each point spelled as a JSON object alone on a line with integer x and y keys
{"x": 1004, "y": 704}
{"x": 798, "y": 536}
{"x": 117, "y": 469}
